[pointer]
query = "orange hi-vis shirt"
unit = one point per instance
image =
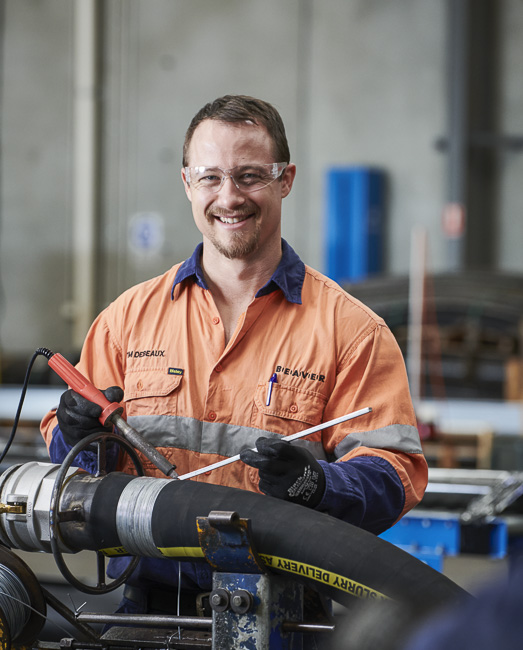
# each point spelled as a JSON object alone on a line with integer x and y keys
{"x": 200, "y": 401}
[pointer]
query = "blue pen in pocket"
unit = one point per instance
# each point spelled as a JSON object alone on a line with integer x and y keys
{"x": 273, "y": 380}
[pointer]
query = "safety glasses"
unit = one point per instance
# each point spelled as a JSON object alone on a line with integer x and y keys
{"x": 246, "y": 178}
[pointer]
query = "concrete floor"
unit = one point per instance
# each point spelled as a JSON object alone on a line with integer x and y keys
{"x": 472, "y": 571}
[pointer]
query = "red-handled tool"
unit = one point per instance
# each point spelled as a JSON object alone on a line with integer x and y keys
{"x": 111, "y": 411}
{"x": 81, "y": 385}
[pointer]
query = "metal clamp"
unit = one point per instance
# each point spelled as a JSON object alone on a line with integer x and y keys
{"x": 225, "y": 540}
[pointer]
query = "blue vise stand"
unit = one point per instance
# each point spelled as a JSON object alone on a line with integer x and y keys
{"x": 250, "y": 608}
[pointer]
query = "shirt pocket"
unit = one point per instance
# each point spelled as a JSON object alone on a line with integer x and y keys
{"x": 289, "y": 409}
{"x": 151, "y": 392}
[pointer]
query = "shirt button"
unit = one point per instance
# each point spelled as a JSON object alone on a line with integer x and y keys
{"x": 139, "y": 385}
{"x": 212, "y": 415}
{"x": 293, "y": 408}
{"x": 216, "y": 320}
{"x": 219, "y": 368}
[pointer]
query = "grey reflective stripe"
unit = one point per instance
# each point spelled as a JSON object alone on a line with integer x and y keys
{"x": 169, "y": 430}
{"x": 399, "y": 437}
{"x": 207, "y": 437}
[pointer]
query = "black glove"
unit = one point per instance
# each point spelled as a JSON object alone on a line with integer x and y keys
{"x": 78, "y": 417}
{"x": 287, "y": 471}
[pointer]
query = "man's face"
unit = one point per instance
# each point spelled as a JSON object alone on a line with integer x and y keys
{"x": 237, "y": 224}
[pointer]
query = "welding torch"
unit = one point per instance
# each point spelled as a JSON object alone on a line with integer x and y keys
{"x": 111, "y": 411}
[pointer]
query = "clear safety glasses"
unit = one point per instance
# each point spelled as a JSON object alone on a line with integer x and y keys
{"x": 247, "y": 178}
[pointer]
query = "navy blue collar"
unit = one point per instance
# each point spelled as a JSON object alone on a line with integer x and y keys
{"x": 288, "y": 277}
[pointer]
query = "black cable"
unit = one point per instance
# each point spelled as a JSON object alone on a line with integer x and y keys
{"x": 47, "y": 354}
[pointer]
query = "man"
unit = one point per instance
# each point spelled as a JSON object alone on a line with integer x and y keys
{"x": 243, "y": 344}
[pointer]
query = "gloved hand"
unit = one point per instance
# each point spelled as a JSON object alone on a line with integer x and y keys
{"x": 78, "y": 417}
{"x": 287, "y": 471}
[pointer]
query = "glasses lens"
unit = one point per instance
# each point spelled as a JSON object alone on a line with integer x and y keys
{"x": 254, "y": 177}
{"x": 206, "y": 178}
{"x": 248, "y": 178}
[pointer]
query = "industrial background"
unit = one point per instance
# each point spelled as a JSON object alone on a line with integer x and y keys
{"x": 415, "y": 106}
{"x": 427, "y": 91}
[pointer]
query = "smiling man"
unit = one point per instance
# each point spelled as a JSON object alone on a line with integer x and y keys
{"x": 236, "y": 189}
{"x": 237, "y": 219}
{"x": 249, "y": 345}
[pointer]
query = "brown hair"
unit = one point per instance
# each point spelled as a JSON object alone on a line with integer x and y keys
{"x": 241, "y": 108}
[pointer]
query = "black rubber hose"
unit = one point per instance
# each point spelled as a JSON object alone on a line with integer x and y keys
{"x": 339, "y": 560}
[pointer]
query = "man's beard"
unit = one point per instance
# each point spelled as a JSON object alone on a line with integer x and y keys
{"x": 239, "y": 245}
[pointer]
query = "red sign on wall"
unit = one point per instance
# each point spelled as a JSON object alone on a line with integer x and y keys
{"x": 454, "y": 220}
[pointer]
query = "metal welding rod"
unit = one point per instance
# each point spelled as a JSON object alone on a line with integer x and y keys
{"x": 294, "y": 436}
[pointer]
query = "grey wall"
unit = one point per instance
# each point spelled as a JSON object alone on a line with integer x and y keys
{"x": 35, "y": 174}
{"x": 356, "y": 81}
{"x": 510, "y": 213}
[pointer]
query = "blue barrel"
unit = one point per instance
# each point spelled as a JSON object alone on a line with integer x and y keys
{"x": 355, "y": 216}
